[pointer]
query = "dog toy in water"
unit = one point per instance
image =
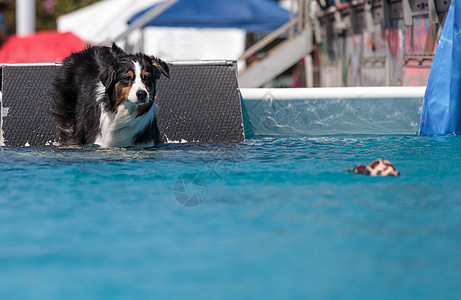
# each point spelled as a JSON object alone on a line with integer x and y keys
{"x": 378, "y": 167}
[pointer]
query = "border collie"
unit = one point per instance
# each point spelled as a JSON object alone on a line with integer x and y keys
{"x": 105, "y": 96}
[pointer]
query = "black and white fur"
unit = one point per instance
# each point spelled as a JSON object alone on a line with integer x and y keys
{"x": 105, "y": 96}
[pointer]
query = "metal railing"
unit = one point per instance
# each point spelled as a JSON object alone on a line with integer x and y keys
{"x": 297, "y": 23}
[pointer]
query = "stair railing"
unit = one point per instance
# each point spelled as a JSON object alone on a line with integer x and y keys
{"x": 296, "y": 24}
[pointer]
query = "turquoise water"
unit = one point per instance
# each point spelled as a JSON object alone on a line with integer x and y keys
{"x": 267, "y": 218}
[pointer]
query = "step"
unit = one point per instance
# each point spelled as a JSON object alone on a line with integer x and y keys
{"x": 278, "y": 61}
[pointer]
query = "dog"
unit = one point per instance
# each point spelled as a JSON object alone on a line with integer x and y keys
{"x": 105, "y": 96}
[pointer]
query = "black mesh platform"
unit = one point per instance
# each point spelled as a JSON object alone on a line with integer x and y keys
{"x": 26, "y": 104}
{"x": 200, "y": 102}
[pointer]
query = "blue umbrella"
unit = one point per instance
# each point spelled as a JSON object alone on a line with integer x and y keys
{"x": 250, "y": 15}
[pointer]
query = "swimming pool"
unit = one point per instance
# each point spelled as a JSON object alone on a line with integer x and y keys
{"x": 277, "y": 218}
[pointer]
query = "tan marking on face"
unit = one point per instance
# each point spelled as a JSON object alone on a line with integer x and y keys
{"x": 143, "y": 73}
{"x": 122, "y": 92}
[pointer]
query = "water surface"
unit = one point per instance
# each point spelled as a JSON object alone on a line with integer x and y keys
{"x": 267, "y": 218}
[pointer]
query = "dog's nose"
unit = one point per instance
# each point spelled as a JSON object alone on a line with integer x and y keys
{"x": 141, "y": 95}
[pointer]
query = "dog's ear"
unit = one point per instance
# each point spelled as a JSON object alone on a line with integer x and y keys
{"x": 160, "y": 66}
{"x": 116, "y": 49}
{"x": 107, "y": 78}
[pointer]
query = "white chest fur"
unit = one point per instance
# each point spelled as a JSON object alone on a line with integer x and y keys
{"x": 119, "y": 128}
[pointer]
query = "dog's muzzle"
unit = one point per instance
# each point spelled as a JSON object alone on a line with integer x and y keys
{"x": 142, "y": 97}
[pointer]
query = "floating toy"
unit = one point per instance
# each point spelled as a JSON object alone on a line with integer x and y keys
{"x": 378, "y": 167}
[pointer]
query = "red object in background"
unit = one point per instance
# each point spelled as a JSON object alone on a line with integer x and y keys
{"x": 43, "y": 46}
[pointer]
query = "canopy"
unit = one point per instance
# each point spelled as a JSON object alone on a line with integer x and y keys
{"x": 44, "y": 46}
{"x": 441, "y": 110}
{"x": 250, "y": 15}
{"x": 104, "y": 20}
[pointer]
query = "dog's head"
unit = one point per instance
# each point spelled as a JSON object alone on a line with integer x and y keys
{"x": 131, "y": 79}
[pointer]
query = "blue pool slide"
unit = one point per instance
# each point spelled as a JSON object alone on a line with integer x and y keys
{"x": 441, "y": 106}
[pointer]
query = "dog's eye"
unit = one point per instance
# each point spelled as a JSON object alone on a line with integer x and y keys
{"x": 126, "y": 78}
{"x": 147, "y": 77}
